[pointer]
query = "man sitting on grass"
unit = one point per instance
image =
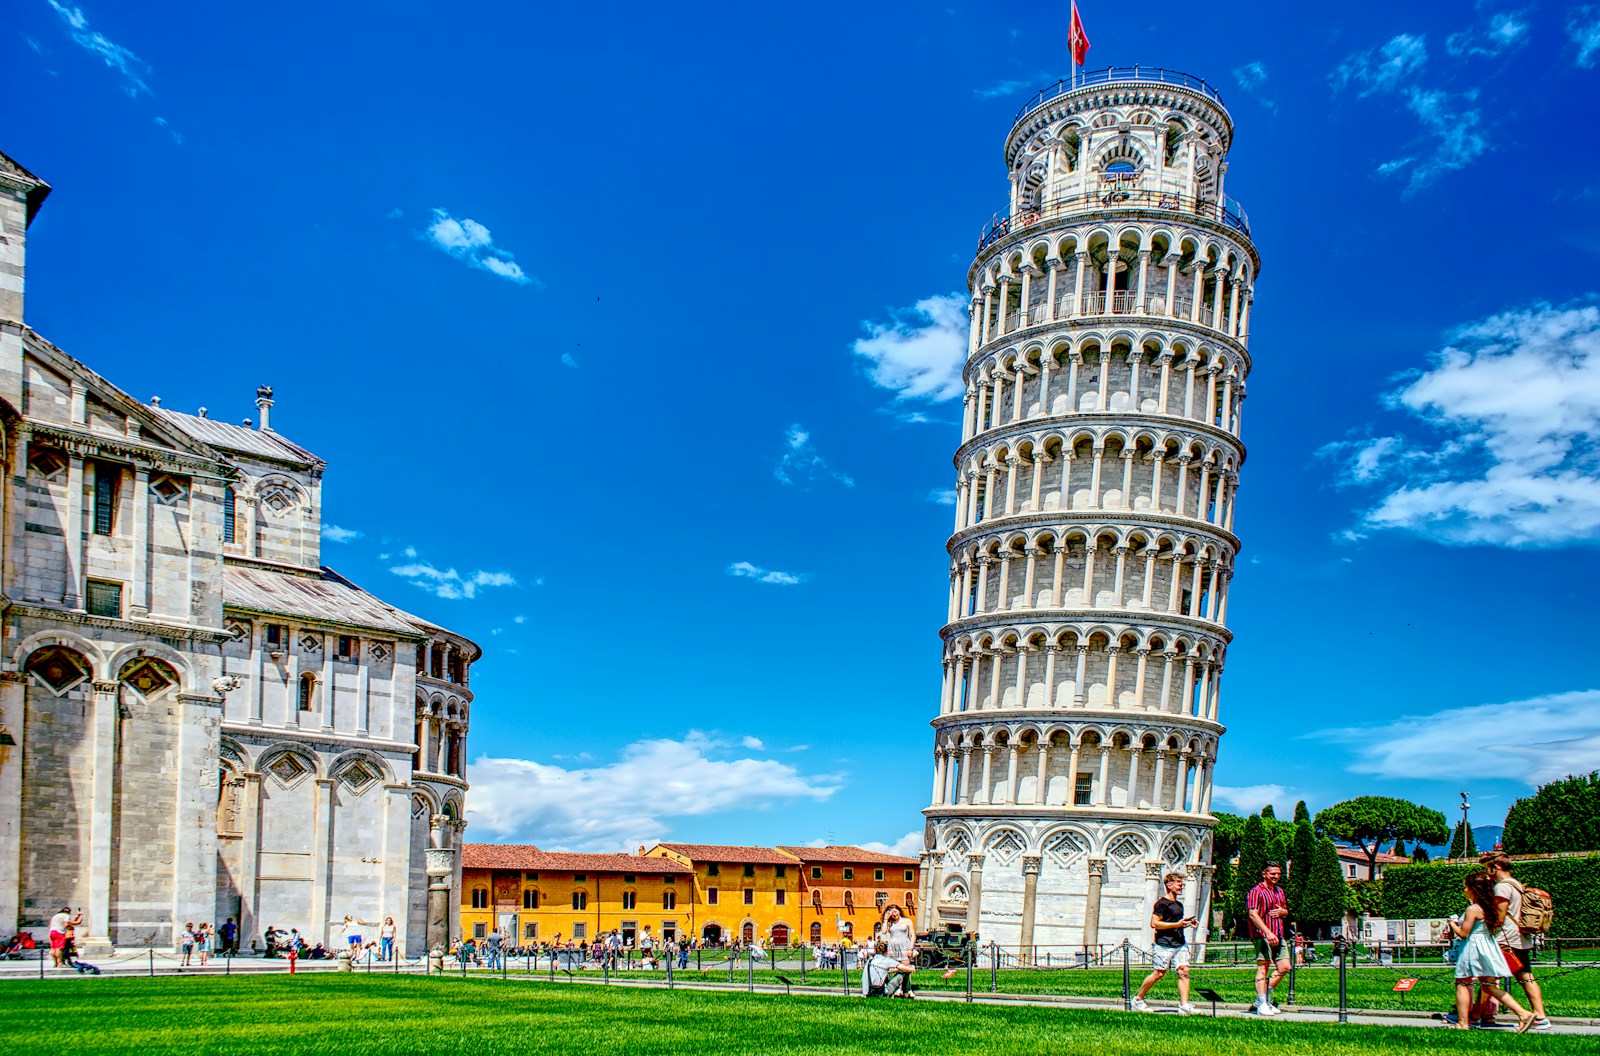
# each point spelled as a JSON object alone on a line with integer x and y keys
{"x": 882, "y": 975}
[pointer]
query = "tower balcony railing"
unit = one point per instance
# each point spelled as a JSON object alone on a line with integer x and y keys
{"x": 1228, "y": 211}
{"x": 1113, "y": 74}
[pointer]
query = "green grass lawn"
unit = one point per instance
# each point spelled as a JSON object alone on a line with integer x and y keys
{"x": 1573, "y": 993}
{"x": 378, "y": 1015}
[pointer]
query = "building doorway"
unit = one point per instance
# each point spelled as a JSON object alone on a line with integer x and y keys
{"x": 747, "y": 934}
{"x": 816, "y": 933}
{"x": 780, "y": 934}
{"x": 711, "y": 934}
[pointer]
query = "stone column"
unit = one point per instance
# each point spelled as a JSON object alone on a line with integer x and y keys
{"x": 194, "y": 853}
{"x": 1091, "y": 907}
{"x": 441, "y": 868}
{"x": 250, "y": 923}
{"x": 1199, "y": 877}
{"x": 72, "y": 533}
{"x": 394, "y": 900}
{"x": 139, "y": 594}
{"x": 13, "y": 689}
{"x": 103, "y": 791}
{"x": 1030, "y": 899}
{"x": 322, "y": 861}
{"x": 974, "y": 889}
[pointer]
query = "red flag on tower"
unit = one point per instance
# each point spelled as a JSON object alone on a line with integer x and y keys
{"x": 1077, "y": 39}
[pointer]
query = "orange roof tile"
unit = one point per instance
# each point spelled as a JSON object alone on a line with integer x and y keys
{"x": 847, "y": 856}
{"x": 528, "y": 858}
{"x": 710, "y": 852}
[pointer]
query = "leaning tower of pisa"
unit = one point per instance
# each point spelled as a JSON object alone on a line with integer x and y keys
{"x": 1093, "y": 546}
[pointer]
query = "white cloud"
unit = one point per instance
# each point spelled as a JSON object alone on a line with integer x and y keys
{"x": 1247, "y": 799}
{"x": 130, "y": 66}
{"x": 177, "y": 137}
{"x": 1505, "y": 30}
{"x": 1459, "y": 135}
{"x": 568, "y": 360}
{"x": 1515, "y": 399}
{"x": 1583, "y": 29}
{"x": 943, "y": 496}
{"x": 1252, "y": 77}
{"x": 919, "y": 355}
{"x": 334, "y": 534}
{"x": 447, "y": 583}
{"x": 1532, "y": 741}
{"x": 800, "y": 465}
{"x": 1001, "y": 89}
{"x": 470, "y": 242}
{"x": 745, "y": 570}
{"x": 907, "y": 846}
{"x": 521, "y": 619}
{"x": 1382, "y": 69}
{"x": 622, "y": 804}
{"x": 753, "y": 743}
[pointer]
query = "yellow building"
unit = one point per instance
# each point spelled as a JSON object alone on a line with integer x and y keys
{"x": 845, "y": 889}
{"x": 742, "y": 893}
{"x": 545, "y": 896}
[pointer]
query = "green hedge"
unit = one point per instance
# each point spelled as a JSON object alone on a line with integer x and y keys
{"x": 1434, "y": 890}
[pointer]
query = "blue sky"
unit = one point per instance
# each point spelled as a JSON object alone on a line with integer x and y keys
{"x": 626, "y": 334}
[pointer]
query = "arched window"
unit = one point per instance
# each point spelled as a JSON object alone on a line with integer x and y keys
{"x": 530, "y": 899}
{"x": 580, "y": 900}
{"x": 669, "y": 900}
{"x": 230, "y": 509}
{"x": 308, "y": 690}
{"x": 480, "y": 898}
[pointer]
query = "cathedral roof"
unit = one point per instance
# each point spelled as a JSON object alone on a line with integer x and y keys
{"x": 223, "y": 436}
{"x": 323, "y": 596}
{"x": 847, "y": 856}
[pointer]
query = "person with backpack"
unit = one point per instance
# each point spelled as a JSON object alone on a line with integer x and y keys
{"x": 1479, "y": 960}
{"x": 1528, "y": 912}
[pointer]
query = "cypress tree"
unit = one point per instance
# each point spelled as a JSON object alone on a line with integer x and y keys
{"x": 1301, "y": 861}
{"x": 1252, "y": 859}
{"x": 1267, "y": 813}
{"x": 1323, "y": 897}
{"x": 1462, "y": 844}
{"x": 1400, "y": 849}
{"x": 1301, "y": 813}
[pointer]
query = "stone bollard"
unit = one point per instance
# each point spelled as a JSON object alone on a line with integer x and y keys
{"x": 343, "y": 957}
{"x": 436, "y": 961}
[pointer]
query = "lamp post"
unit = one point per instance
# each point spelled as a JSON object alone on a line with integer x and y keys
{"x": 1465, "y": 805}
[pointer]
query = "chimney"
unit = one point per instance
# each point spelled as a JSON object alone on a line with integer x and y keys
{"x": 264, "y": 401}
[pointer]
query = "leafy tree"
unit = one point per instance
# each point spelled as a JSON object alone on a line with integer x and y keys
{"x": 1226, "y": 837}
{"x": 1369, "y": 822}
{"x": 1252, "y": 859}
{"x": 1462, "y": 844}
{"x": 1420, "y": 855}
{"x": 1301, "y": 861}
{"x": 1267, "y": 813}
{"x": 1322, "y": 900}
{"x": 1301, "y": 813}
{"x": 1561, "y": 816}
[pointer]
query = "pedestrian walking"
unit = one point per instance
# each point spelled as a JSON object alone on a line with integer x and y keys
{"x": 229, "y": 934}
{"x": 1516, "y": 945}
{"x": 202, "y": 942}
{"x": 1170, "y": 951}
{"x": 186, "y": 944}
{"x": 1267, "y": 909}
{"x": 1480, "y": 960}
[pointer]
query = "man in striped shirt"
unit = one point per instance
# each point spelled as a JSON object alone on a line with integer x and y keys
{"x": 1267, "y": 911}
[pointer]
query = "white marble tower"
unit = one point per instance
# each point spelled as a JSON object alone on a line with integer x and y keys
{"x": 1093, "y": 545}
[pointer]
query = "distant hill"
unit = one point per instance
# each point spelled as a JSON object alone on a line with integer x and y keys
{"x": 1485, "y": 836}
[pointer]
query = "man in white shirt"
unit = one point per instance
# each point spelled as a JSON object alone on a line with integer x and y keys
{"x": 1516, "y": 946}
{"x": 58, "y": 932}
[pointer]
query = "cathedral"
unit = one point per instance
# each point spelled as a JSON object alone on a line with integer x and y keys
{"x": 198, "y": 719}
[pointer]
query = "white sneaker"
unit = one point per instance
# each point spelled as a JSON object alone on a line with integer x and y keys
{"x": 1267, "y": 1009}
{"x": 1187, "y": 1010}
{"x": 1139, "y": 1005}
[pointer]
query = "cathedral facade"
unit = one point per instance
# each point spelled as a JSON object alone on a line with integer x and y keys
{"x": 198, "y": 720}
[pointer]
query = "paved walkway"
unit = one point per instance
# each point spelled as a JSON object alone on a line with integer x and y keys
{"x": 137, "y": 965}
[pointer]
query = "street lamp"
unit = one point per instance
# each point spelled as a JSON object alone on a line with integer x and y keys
{"x": 1465, "y": 805}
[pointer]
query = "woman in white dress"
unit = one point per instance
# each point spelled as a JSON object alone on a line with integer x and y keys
{"x": 1480, "y": 960}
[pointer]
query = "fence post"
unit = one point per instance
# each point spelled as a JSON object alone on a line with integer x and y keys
{"x": 1558, "y": 953}
{"x": 972, "y": 953}
{"x": 802, "y": 966}
{"x": 152, "y": 963}
{"x": 1344, "y": 1005}
{"x": 844, "y": 966}
{"x": 994, "y": 967}
{"x": 1289, "y": 933}
{"x": 1127, "y": 989}
{"x": 750, "y": 979}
